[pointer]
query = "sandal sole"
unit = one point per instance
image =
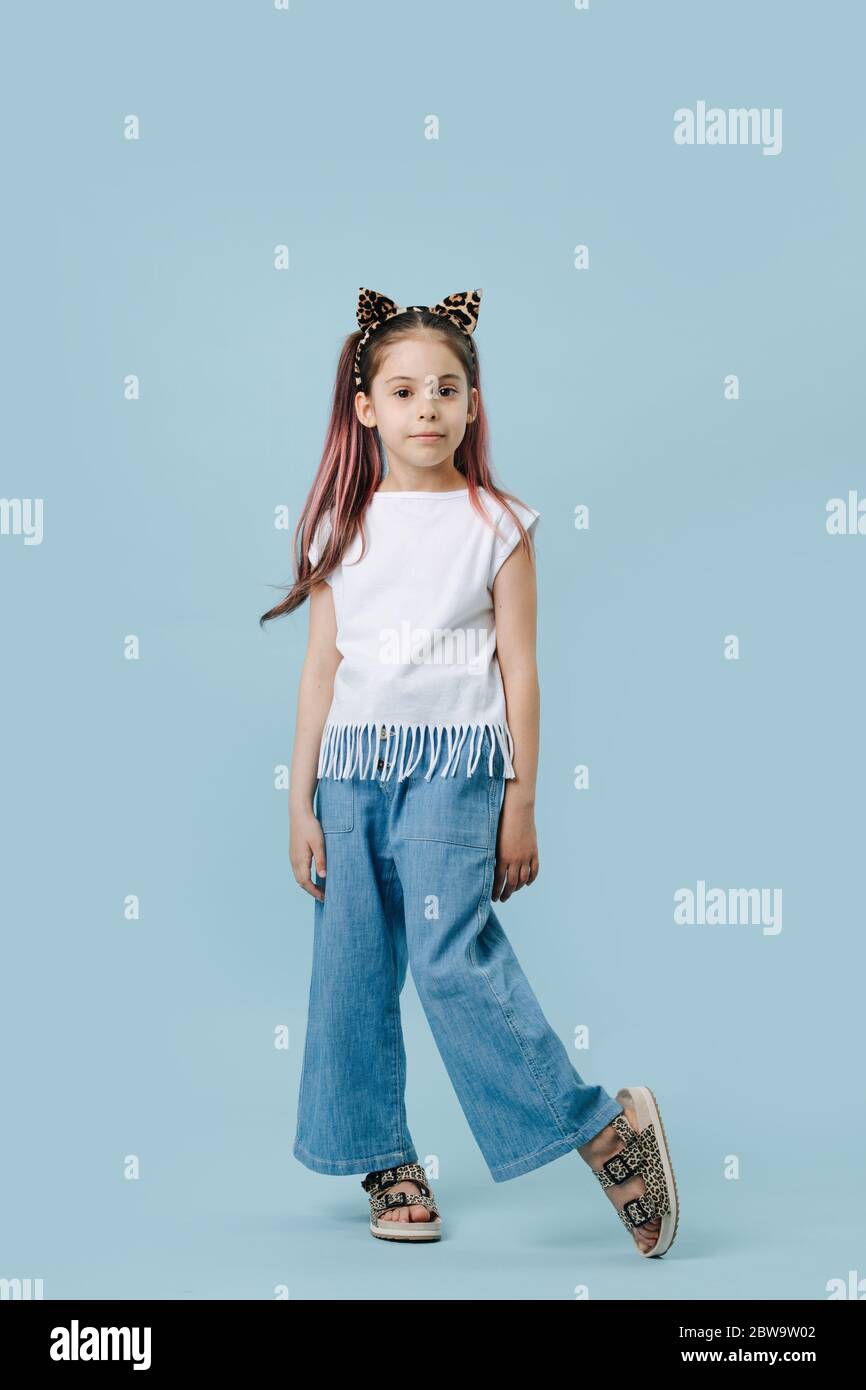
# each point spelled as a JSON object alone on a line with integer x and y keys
{"x": 415, "y": 1230}
{"x": 646, "y": 1108}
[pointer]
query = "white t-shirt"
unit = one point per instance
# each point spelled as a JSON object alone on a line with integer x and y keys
{"x": 416, "y": 631}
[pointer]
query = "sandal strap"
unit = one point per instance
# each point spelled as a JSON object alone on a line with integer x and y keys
{"x": 382, "y": 1178}
{"x": 656, "y": 1200}
{"x": 638, "y": 1212}
{"x": 623, "y": 1165}
{"x": 639, "y": 1156}
{"x": 654, "y": 1174}
{"x": 402, "y": 1199}
{"x": 377, "y": 1183}
{"x": 624, "y": 1129}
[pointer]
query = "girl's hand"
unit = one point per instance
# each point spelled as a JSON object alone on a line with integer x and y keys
{"x": 516, "y": 850}
{"x": 306, "y": 843}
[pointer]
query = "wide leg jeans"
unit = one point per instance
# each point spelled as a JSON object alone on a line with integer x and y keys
{"x": 409, "y": 876}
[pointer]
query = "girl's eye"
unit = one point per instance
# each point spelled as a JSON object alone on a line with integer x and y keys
{"x": 442, "y": 390}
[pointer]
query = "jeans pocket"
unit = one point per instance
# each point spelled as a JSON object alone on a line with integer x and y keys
{"x": 336, "y": 813}
{"x": 456, "y": 810}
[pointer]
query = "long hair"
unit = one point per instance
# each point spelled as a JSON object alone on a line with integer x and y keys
{"x": 352, "y": 464}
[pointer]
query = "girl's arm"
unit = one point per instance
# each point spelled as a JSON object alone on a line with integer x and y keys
{"x": 315, "y": 692}
{"x": 514, "y": 606}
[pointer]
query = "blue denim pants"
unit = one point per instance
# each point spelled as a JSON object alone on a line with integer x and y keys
{"x": 409, "y": 880}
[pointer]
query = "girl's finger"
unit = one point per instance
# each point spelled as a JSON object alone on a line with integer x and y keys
{"x": 310, "y": 887}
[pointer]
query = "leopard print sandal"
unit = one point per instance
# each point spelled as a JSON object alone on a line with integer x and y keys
{"x": 375, "y": 1184}
{"x": 645, "y": 1153}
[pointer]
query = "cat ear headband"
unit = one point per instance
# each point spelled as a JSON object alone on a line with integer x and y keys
{"x": 374, "y": 309}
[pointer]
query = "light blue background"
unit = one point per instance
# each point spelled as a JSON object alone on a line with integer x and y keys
{"x": 604, "y": 387}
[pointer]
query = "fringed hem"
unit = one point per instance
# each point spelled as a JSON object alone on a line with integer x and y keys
{"x": 342, "y": 745}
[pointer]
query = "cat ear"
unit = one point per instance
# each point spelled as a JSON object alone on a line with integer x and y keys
{"x": 374, "y": 307}
{"x": 461, "y": 309}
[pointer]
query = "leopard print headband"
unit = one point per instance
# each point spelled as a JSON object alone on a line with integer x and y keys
{"x": 374, "y": 309}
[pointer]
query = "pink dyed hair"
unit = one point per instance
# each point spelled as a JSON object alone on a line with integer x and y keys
{"x": 352, "y": 464}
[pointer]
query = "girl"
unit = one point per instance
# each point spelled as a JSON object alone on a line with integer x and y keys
{"x": 417, "y": 730}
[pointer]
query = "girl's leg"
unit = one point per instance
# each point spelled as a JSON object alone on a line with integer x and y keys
{"x": 522, "y": 1097}
{"x": 351, "y": 1108}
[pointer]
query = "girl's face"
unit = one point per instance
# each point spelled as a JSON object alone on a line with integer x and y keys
{"x": 419, "y": 401}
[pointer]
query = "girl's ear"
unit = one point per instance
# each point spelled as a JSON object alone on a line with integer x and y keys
{"x": 364, "y": 410}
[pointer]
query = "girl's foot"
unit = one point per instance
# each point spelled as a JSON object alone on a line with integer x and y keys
{"x": 596, "y": 1152}
{"x": 394, "y": 1194}
{"x": 412, "y": 1213}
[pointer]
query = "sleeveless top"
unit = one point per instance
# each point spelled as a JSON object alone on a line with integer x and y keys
{"x": 416, "y": 630}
